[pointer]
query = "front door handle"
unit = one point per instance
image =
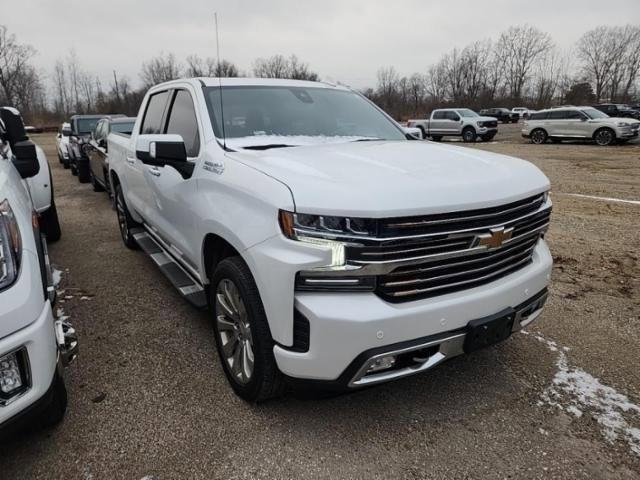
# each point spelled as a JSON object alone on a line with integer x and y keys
{"x": 155, "y": 171}
{"x": 131, "y": 160}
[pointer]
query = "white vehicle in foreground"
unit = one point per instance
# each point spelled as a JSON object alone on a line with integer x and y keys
{"x": 33, "y": 345}
{"x": 330, "y": 247}
{"x": 62, "y": 142}
{"x": 579, "y": 123}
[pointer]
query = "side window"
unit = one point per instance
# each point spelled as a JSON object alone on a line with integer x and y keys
{"x": 453, "y": 116}
{"x": 182, "y": 121}
{"x": 152, "y": 122}
{"x": 439, "y": 115}
{"x": 557, "y": 115}
{"x": 538, "y": 116}
{"x": 574, "y": 115}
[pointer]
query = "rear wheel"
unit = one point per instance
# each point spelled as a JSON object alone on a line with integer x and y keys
{"x": 125, "y": 222}
{"x": 243, "y": 338}
{"x": 469, "y": 135}
{"x": 604, "y": 137}
{"x": 539, "y": 136}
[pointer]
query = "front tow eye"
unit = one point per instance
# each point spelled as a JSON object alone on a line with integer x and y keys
{"x": 67, "y": 340}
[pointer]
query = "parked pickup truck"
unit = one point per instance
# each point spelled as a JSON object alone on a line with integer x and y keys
{"x": 34, "y": 345}
{"x": 330, "y": 247}
{"x": 456, "y": 122}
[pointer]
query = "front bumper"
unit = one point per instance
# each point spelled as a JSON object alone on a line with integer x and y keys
{"x": 627, "y": 132}
{"x": 39, "y": 340}
{"x": 487, "y": 130}
{"x": 344, "y": 325}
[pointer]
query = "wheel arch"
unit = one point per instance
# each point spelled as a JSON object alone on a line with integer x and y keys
{"x": 215, "y": 248}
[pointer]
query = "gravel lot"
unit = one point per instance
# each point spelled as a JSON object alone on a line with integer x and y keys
{"x": 148, "y": 397}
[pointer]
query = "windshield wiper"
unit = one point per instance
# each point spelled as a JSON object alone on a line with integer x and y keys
{"x": 368, "y": 140}
{"x": 267, "y": 146}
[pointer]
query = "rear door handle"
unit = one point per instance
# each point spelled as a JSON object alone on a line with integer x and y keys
{"x": 131, "y": 160}
{"x": 155, "y": 171}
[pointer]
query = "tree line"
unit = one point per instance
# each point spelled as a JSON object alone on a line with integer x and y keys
{"x": 522, "y": 67}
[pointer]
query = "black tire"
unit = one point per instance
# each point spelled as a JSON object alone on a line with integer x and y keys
{"x": 74, "y": 169}
{"x": 125, "y": 222}
{"x": 65, "y": 163}
{"x": 436, "y": 138}
{"x": 84, "y": 172}
{"x": 49, "y": 222}
{"x": 604, "y": 137}
{"x": 469, "y": 135}
{"x": 54, "y": 413}
{"x": 265, "y": 381}
{"x": 539, "y": 136}
{"x": 94, "y": 183}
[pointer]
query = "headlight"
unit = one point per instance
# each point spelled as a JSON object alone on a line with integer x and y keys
{"x": 623, "y": 124}
{"x": 333, "y": 234}
{"x": 480, "y": 124}
{"x": 10, "y": 246}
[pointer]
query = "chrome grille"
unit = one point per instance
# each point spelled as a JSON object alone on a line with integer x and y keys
{"x": 418, "y": 257}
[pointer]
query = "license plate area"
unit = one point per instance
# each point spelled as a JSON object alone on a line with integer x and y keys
{"x": 487, "y": 331}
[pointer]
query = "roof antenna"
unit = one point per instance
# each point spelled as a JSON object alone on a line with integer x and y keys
{"x": 219, "y": 71}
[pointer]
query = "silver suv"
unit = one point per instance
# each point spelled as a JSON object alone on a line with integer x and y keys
{"x": 569, "y": 123}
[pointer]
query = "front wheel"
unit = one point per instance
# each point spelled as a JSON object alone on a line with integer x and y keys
{"x": 242, "y": 334}
{"x": 604, "y": 137}
{"x": 538, "y": 136}
{"x": 469, "y": 135}
{"x": 125, "y": 222}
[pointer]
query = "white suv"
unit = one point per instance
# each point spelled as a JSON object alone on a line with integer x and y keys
{"x": 570, "y": 123}
{"x": 33, "y": 345}
{"x": 62, "y": 142}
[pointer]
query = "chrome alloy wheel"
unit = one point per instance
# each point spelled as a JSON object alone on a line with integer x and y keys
{"x": 234, "y": 331}
{"x": 604, "y": 137}
{"x": 538, "y": 137}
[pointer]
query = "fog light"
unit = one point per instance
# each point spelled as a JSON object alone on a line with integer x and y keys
{"x": 382, "y": 363}
{"x": 10, "y": 376}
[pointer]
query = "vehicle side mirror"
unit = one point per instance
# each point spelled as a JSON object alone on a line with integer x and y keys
{"x": 25, "y": 158}
{"x": 413, "y": 132}
{"x": 164, "y": 150}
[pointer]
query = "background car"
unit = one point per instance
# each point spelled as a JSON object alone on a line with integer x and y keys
{"x": 522, "y": 112}
{"x": 618, "y": 110}
{"x": 62, "y": 142}
{"x": 569, "y": 123}
{"x": 82, "y": 126}
{"x": 97, "y": 149}
{"x": 503, "y": 115}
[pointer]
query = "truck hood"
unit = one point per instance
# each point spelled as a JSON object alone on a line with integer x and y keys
{"x": 383, "y": 179}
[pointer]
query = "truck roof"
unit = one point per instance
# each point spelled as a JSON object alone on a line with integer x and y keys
{"x": 240, "y": 81}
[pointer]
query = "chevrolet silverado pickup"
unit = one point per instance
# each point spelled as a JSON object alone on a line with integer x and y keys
{"x": 330, "y": 247}
{"x": 456, "y": 122}
{"x": 34, "y": 345}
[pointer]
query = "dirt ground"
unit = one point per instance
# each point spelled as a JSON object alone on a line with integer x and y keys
{"x": 148, "y": 398}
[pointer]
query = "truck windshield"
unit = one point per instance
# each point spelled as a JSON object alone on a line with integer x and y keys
{"x": 465, "y": 112}
{"x": 594, "y": 113}
{"x": 265, "y": 116}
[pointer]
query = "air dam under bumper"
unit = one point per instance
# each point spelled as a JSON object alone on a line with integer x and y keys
{"x": 344, "y": 325}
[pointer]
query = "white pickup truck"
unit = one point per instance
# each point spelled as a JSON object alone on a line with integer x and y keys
{"x": 456, "y": 122}
{"x": 330, "y": 247}
{"x": 34, "y": 345}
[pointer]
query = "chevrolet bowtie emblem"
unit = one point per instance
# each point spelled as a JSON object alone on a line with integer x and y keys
{"x": 496, "y": 238}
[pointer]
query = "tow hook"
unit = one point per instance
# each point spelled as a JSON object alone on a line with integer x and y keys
{"x": 67, "y": 340}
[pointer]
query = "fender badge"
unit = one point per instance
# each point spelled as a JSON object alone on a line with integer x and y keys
{"x": 215, "y": 167}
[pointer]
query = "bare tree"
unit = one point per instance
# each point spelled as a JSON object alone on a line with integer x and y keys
{"x": 278, "y": 66}
{"x": 598, "y": 49}
{"x": 519, "y": 49}
{"x": 160, "y": 69}
{"x": 14, "y": 67}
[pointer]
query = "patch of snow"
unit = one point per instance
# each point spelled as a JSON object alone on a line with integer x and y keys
{"x": 57, "y": 276}
{"x": 84, "y": 297}
{"x": 576, "y": 391}
{"x": 60, "y": 314}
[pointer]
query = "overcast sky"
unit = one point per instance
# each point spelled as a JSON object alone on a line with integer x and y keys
{"x": 343, "y": 40}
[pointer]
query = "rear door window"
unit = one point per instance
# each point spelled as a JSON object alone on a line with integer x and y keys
{"x": 152, "y": 122}
{"x": 557, "y": 115}
{"x": 439, "y": 115}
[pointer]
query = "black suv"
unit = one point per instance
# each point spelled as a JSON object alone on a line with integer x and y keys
{"x": 618, "y": 110}
{"x": 97, "y": 149}
{"x": 503, "y": 115}
{"x": 81, "y": 128}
